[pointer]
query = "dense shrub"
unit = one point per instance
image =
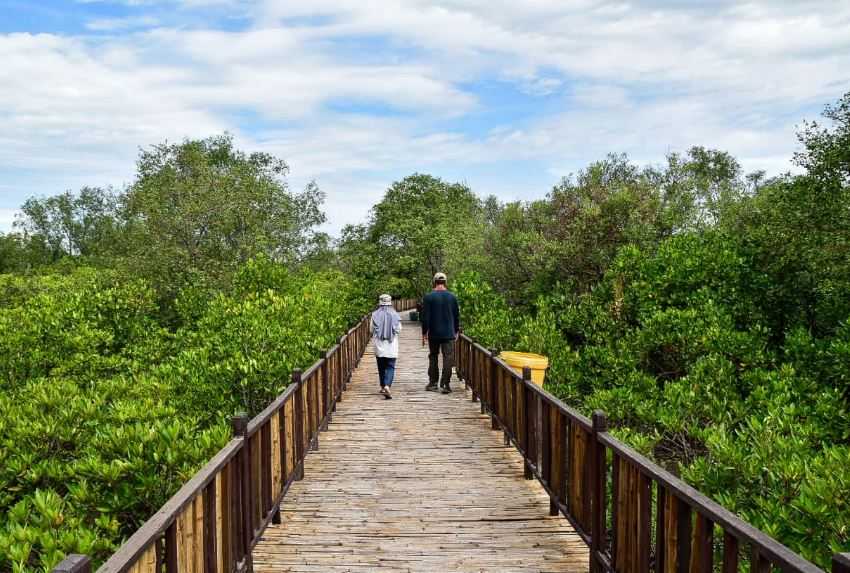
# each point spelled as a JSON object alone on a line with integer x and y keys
{"x": 671, "y": 345}
{"x": 77, "y": 324}
{"x": 106, "y": 413}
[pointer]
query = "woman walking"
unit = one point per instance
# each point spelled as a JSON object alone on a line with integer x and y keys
{"x": 386, "y": 325}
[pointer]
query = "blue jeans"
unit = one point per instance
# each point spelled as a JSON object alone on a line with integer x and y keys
{"x": 386, "y": 370}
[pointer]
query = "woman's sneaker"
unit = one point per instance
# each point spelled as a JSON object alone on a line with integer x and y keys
{"x": 431, "y": 388}
{"x": 387, "y": 394}
{"x": 384, "y": 390}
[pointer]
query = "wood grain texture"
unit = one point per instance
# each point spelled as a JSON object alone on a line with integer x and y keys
{"x": 277, "y": 482}
{"x": 671, "y": 533}
{"x": 579, "y": 491}
{"x": 289, "y": 433}
{"x": 146, "y": 562}
{"x": 632, "y": 519}
{"x": 418, "y": 483}
{"x": 198, "y": 535}
{"x": 220, "y": 504}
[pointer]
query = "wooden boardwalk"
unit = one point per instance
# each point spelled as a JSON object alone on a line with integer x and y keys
{"x": 417, "y": 483}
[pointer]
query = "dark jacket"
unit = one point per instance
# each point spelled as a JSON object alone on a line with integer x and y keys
{"x": 440, "y": 315}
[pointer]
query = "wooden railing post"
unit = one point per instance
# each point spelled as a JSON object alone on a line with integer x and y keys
{"x": 538, "y": 428}
{"x": 327, "y": 392}
{"x": 312, "y": 403}
{"x": 334, "y": 366}
{"x": 243, "y": 516}
{"x": 841, "y": 563}
{"x": 298, "y": 424}
{"x": 239, "y": 423}
{"x": 74, "y": 563}
{"x": 171, "y": 539}
{"x": 494, "y": 390}
{"x": 598, "y": 476}
{"x": 210, "y": 534}
{"x": 529, "y": 446}
{"x": 343, "y": 366}
{"x": 483, "y": 380}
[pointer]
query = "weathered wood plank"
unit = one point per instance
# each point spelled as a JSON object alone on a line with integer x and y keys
{"x": 198, "y": 535}
{"x": 277, "y": 483}
{"x": 147, "y": 562}
{"x": 578, "y": 464}
{"x": 220, "y": 504}
{"x": 290, "y": 436}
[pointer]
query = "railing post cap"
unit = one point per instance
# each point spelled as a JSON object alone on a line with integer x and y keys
{"x": 526, "y": 373}
{"x": 493, "y": 352}
{"x": 74, "y": 563}
{"x": 296, "y": 374}
{"x": 600, "y": 421}
{"x": 239, "y": 422}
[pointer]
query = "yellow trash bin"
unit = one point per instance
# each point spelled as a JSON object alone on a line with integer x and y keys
{"x": 518, "y": 360}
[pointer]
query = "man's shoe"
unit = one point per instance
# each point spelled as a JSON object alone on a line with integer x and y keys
{"x": 446, "y": 390}
{"x": 387, "y": 394}
{"x": 431, "y": 388}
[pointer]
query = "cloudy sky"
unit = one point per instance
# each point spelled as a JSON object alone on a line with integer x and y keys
{"x": 507, "y": 95}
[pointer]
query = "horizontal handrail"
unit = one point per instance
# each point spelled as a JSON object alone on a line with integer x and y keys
{"x": 403, "y": 304}
{"x": 214, "y": 520}
{"x": 580, "y": 464}
{"x": 162, "y": 519}
{"x": 779, "y": 554}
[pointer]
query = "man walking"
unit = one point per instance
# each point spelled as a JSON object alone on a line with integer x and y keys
{"x": 440, "y": 325}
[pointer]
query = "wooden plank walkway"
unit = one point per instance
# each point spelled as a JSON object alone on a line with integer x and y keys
{"x": 417, "y": 483}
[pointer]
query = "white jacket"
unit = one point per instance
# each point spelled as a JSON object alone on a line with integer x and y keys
{"x": 387, "y": 348}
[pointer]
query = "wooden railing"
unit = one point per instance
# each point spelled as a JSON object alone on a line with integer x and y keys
{"x": 635, "y": 516}
{"x": 403, "y": 304}
{"x": 214, "y": 521}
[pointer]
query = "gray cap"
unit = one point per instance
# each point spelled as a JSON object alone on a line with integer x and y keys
{"x": 385, "y": 300}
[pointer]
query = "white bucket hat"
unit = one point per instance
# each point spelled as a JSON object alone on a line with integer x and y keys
{"x": 385, "y": 300}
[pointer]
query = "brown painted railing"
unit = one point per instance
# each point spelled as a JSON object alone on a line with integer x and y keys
{"x": 404, "y": 304}
{"x": 214, "y": 521}
{"x": 635, "y": 516}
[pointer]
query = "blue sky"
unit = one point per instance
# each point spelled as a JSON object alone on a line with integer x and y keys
{"x": 507, "y": 96}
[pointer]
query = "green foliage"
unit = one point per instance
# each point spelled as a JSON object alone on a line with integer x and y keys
{"x": 75, "y": 325}
{"x": 20, "y": 253}
{"x": 86, "y": 462}
{"x": 709, "y": 319}
{"x": 486, "y": 315}
{"x": 685, "y": 382}
{"x": 242, "y": 350}
{"x": 573, "y": 237}
{"x": 202, "y": 208}
{"x": 85, "y": 223}
{"x": 106, "y": 413}
{"x": 423, "y": 225}
{"x": 115, "y": 381}
{"x": 707, "y": 311}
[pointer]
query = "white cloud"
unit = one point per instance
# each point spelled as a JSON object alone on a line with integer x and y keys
{"x": 643, "y": 77}
{"x": 117, "y": 24}
{"x": 756, "y": 48}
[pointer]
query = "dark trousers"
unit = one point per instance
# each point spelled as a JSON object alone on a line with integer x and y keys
{"x": 435, "y": 347}
{"x": 386, "y": 370}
